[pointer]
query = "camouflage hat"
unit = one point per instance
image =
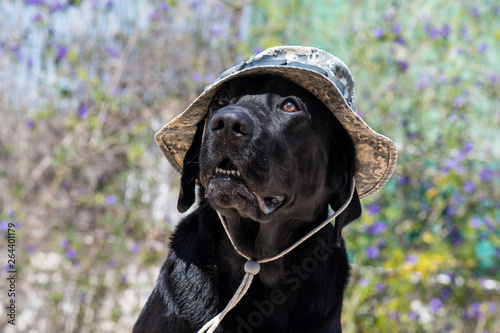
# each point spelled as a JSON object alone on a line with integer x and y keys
{"x": 317, "y": 71}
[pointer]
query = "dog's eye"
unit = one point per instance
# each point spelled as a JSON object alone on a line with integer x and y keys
{"x": 289, "y": 106}
{"x": 222, "y": 99}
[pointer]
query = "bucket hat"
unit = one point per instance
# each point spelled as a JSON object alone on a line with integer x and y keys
{"x": 320, "y": 73}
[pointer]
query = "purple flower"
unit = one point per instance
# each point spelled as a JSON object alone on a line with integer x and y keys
{"x": 64, "y": 243}
{"x": 218, "y": 5}
{"x": 372, "y": 252}
{"x": 376, "y": 228}
{"x": 61, "y": 52}
{"x": 154, "y": 15}
{"x": 486, "y": 175}
{"x": 459, "y": 101}
{"x": 108, "y": 5}
{"x": 495, "y": 78}
{"x": 475, "y": 12}
{"x": 421, "y": 84}
{"x": 476, "y": 309}
{"x": 197, "y": 78}
{"x": 396, "y": 28}
{"x": 454, "y": 164}
{"x": 83, "y": 111}
{"x": 403, "y": 66}
{"x": 31, "y": 249}
{"x": 135, "y": 248}
{"x": 446, "y": 30}
{"x": 363, "y": 282}
{"x": 492, "y": 307}
{"x": 38, "y": 17}
{"x": 468, "y": 147}
{"x": 70, "y": 253}
{"x": 379, "y": 287}
{"x": 403, "y": 180}
{"x": 217, "y": 31}
{"x": 373, "y": 208}
{"x": 195, "y": 5}
{"x": 56, "y": 6}
{"x": 211, "y": 77}
{"x": 451, "y": 210}
{"x": 435, "y": 304}
{"x": 110, "y": 199}
{"x": 35, "y": 2}
{"x": 400, "y": 40}
{"x": 464, "y": 32}
{"x": 16, "y": 49}
{"x": 123, "y": 278}
{"x": 490, "y": 225}
{"x": 475, "y": 222}
{"x": 433, "y": 32}
{"x": 446, "y": 293}
{"x": 4, "y": 225}
{"x": 482, "y": 48}
{"x": 113, "y": 263}
{"x": 469, "y": 187}
{"x": 29, "y": 123}
{"x": 455, "y": 236}
{"x": 378, "y": 32}
{"x": 112, "y": 52}
{"x": 413, "y": 316}
{"x": 412, "y": 259}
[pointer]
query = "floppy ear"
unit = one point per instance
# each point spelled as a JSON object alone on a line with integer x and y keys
{"x": 190, "y": 171}
{"x": 342, "y": 164}
{"x": 351, "y": 213}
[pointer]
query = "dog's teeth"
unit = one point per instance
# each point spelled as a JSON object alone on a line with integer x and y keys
{"x": 227, "y": 172}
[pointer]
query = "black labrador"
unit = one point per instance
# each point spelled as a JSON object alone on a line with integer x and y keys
{"x": 271, "y": 158}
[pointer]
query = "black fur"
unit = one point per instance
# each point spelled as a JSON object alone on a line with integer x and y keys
{"x": 302, "y": 159}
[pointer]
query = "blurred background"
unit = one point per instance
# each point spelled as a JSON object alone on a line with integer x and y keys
{"x": 84, "y": 85}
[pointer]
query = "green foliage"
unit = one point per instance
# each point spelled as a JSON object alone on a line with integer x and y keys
{"x": 95, "y": 201}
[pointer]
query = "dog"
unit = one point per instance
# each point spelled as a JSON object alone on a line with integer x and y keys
{"x": 263, "y": 163}
{"x": 272, "y": 147}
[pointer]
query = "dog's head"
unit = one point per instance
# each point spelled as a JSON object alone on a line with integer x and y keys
{"x": 269, "y": 150}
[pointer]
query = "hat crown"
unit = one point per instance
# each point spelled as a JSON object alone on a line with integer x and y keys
{"x": 305, "y": 57}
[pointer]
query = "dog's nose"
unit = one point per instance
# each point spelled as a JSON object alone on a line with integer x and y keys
{"x": 231, "y": 124}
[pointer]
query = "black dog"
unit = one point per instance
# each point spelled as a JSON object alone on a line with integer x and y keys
{"x": 271, "y": 158}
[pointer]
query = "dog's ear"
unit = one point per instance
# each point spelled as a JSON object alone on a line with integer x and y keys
{"x": 352, "y": 212}
{"x": 342, "y": 164}
{"x": 190, "y": 171}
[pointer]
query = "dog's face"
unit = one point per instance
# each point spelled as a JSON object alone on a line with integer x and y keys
{"x": 272, "y": 151}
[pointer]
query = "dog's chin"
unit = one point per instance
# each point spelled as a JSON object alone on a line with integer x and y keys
{"x": 231, "y": 196}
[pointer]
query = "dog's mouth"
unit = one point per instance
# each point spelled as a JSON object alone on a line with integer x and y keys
{"x": 227, "y": 170}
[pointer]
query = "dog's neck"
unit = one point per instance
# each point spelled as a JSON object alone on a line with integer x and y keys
{"x": 259, "y": 241}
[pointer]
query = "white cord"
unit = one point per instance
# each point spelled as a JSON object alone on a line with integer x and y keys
{"x": 252, "y": 267}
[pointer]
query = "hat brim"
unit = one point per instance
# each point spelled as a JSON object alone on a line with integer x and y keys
{"x": 376, "y": 155}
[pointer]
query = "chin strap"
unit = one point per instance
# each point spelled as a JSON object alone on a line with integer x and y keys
{"x": 252, "y": 267}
